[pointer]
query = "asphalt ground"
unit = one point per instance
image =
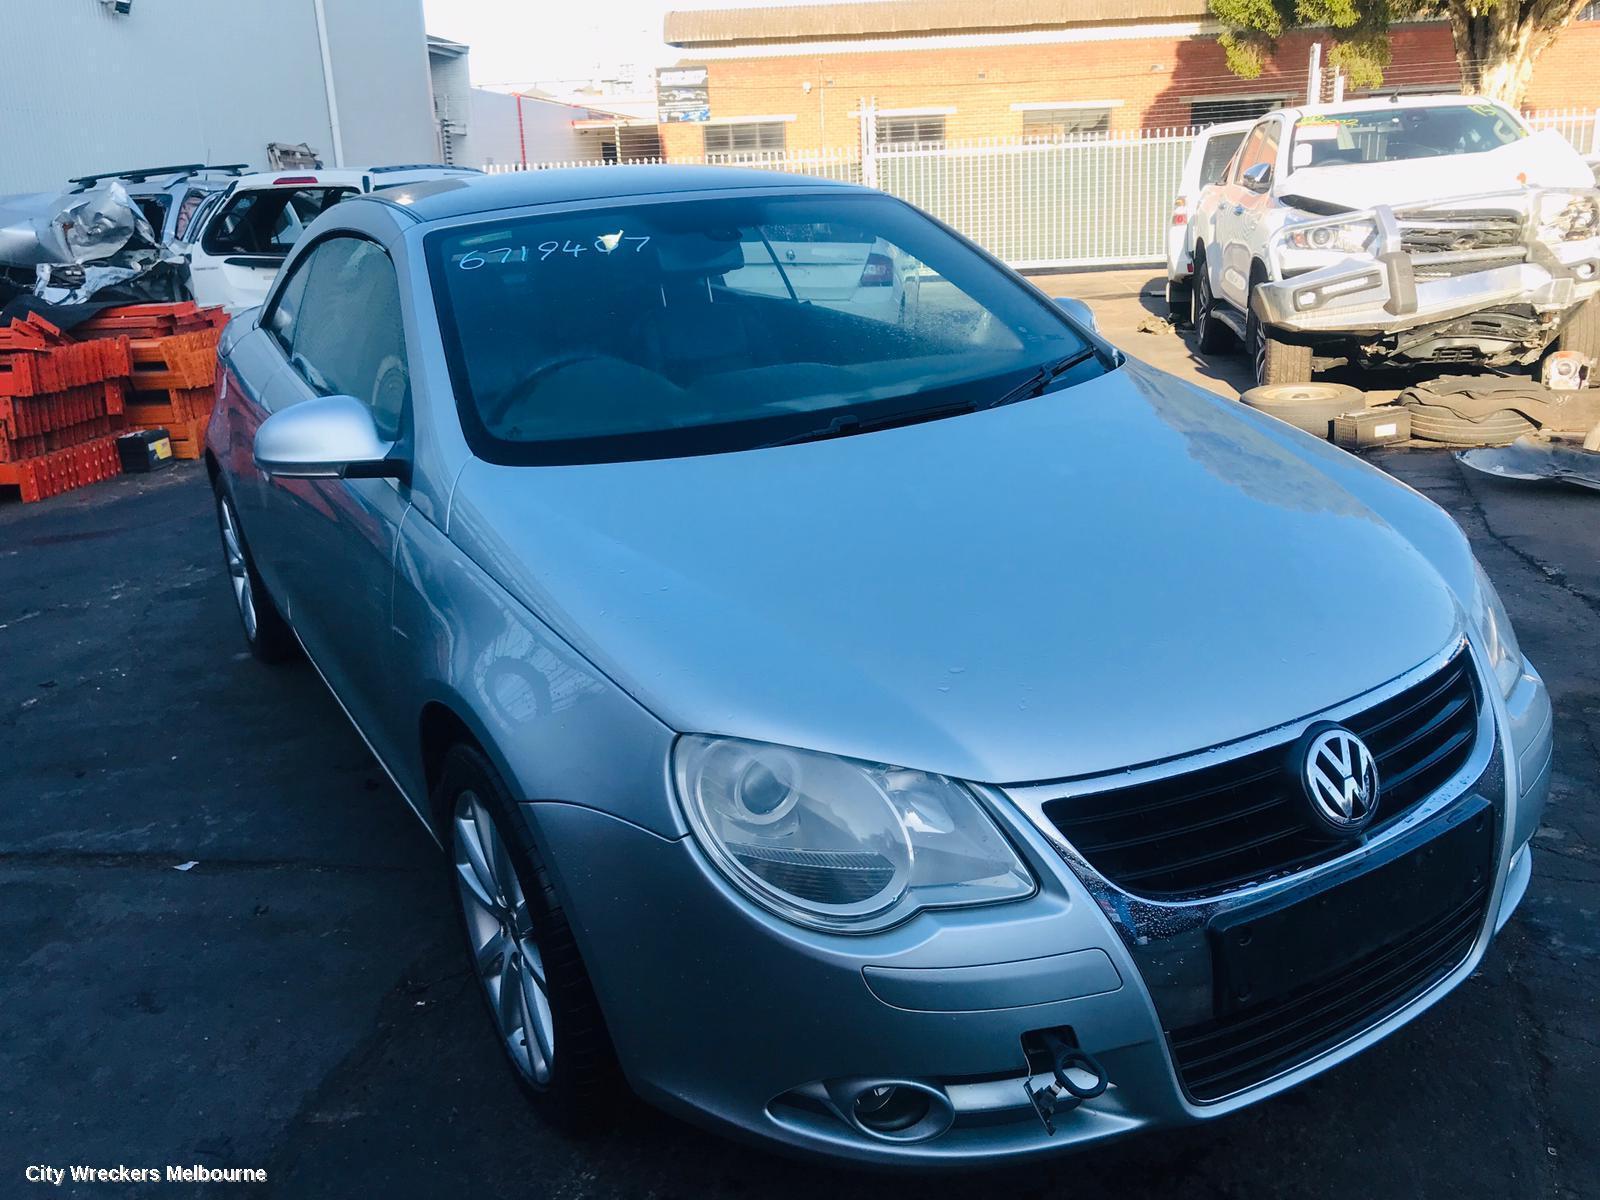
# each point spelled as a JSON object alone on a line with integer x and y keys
{"x": 297, "y": 1001}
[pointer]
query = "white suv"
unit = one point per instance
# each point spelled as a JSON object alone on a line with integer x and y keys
{"x": 1208, "y": 161}
{"x": 1423, "y": 230}
{"x": 239, "y": 238}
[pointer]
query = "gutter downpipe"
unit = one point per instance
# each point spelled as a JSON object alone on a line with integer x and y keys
{"x": 327, "y": 83}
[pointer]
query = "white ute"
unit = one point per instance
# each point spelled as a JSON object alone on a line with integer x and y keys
{"x": 1416, "y": 230}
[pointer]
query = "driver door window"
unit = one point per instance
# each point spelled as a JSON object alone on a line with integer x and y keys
{"x": 1246, "y": 156}
{"x": 1262, "y": 148}
{"x": 338, "y": 320}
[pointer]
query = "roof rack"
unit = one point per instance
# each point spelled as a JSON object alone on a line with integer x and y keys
{"x": 142, "y": 174}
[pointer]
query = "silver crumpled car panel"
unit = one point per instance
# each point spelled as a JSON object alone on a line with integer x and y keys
{"x": 1533, "y": 460}
{"x": 79, "y": 243}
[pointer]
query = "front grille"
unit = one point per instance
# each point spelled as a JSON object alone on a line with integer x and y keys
{"x": 1445, "y": 234}
{"x": 1221, "y": 1057}
{"x": 1447, "y": 267}
{"x": 1211, "y": 830}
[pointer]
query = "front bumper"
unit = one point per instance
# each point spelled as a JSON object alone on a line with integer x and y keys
{"x": 731, "y": 1017}
{"x": 1392, "y": 291}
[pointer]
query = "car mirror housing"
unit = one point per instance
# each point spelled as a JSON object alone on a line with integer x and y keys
{"x": 1258, "y": 178}
{"x": 1078, "y": 311}
{"x": 328, "y": 437}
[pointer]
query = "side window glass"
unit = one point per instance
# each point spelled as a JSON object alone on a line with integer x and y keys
{"x": 269, "y": 221}
{"x": 1218, "y": 154}
{"x": 192, "y": 199}
{"x": 1261, "y": 149}
{"x": 1247, "y": 156}
{"x": 348, "y": 338}
{"x": 1269, "y": 147}
{"x": 285, "y": 314}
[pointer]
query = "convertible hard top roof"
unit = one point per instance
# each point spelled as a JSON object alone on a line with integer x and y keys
{"x": 445, "y": 198}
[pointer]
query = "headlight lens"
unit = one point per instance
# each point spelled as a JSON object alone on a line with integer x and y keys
{"x": 1347, "y": 237}
{"x": 1505, "y": 656}
{"x": 1564, "y": 217}
{"x": 840, "y": 845}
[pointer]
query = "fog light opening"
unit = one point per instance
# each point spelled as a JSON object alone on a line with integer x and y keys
{"x": 891, "y": 1109}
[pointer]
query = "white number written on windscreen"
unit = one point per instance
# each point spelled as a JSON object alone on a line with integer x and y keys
{"x": 606, "y": 243}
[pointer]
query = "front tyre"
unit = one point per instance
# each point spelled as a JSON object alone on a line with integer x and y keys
{"x": 522, "y": 952}
{"x": 265, "y": 631}
{"x": 1275, "y": 361}
{"x": 1582, "y": 331}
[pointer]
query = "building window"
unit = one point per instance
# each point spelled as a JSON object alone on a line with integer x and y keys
{"x": 1590, "y": 12}
{"x": 909, "y": 131}
{"x": 1239, "y": 108}
{"x": 746, "y": 138}
{"x": 1051, "y": 124}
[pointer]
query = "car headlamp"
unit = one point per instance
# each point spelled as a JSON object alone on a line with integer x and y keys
{"x": 841, "y": 845}
{"x": 1341, "y": 237}
{"x": 1499, "y": 641}
{"x": 1568, "y": 217}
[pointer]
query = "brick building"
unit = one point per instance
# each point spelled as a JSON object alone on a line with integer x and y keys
{"x": 793, "y": 77}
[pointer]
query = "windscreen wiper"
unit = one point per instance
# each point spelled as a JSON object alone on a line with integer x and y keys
{"x": 1036, "y": 383}
{"x": 846, "y": 424}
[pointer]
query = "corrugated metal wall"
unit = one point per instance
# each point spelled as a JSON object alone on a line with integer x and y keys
{"x": 83, "y": 89}
{"x": 380, "y": 68}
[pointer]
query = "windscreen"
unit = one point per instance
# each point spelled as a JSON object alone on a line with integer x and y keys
{"x": 702, "y": 326}
{"x": 1396, "y": 133}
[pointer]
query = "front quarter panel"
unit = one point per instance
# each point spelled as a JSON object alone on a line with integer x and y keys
{"x": 557, "y": 729}
{"x": 249, "y": 362}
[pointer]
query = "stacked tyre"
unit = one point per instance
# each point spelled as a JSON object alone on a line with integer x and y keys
{"x": 1308, "y": 406}
{"x": 1473, "y": 410}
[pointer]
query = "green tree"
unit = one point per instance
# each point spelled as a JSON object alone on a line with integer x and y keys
{"x": 1497, "y": 42}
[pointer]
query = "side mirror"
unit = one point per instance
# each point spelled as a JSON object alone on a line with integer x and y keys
{"x": 1301, "y": 155}
{"x": 1079, "y": 312}
{"x": 329, "y": 437}
{"x": 1258, "y": 178}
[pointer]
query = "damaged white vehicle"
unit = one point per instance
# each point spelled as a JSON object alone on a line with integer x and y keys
{"x": 1400, "y": 232}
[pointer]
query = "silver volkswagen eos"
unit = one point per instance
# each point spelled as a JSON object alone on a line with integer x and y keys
{"x": 907, "y": 732}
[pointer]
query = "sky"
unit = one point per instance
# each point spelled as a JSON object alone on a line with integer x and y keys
{"x": 526, "y": 41}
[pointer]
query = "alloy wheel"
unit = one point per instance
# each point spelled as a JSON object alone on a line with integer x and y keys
{"x": 1208, "y": 300}
{"x": 505, "y": 952}
{"x": 1256, "y": 344}
{"x": 238, "y": 568}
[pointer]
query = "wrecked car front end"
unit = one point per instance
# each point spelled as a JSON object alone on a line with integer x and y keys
{"x": 1490, "y": 278}
{"x": 69, "y": 248}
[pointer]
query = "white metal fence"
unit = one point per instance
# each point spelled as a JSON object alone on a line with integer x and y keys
{"x": 843, "y": 165}
{"x": 1578, "y": 125}
{"x": 1074, "y": 202}
{"x": 1096, "y": 200}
